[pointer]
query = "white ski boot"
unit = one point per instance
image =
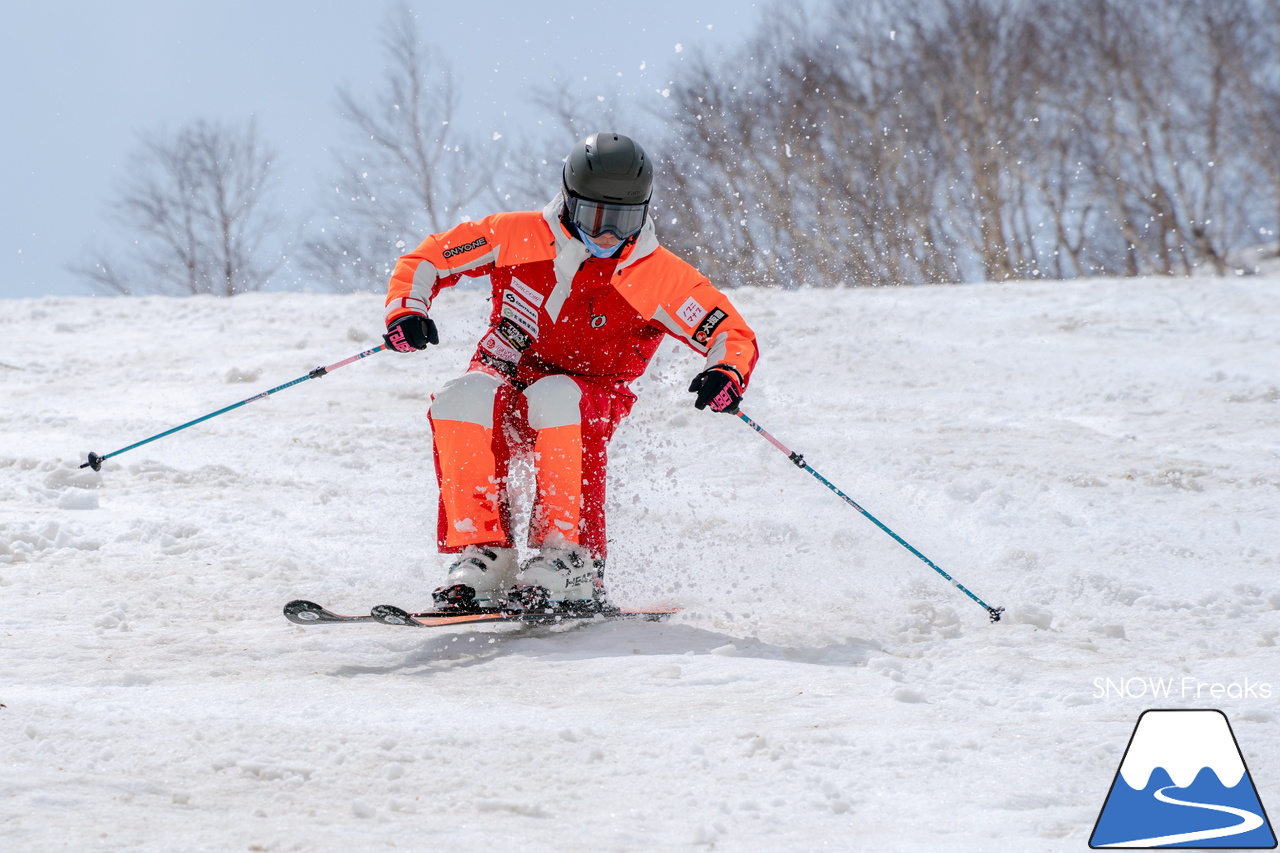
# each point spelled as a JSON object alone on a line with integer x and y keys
{"x": 559, "y": 578}
{"x": 477, "y": 579}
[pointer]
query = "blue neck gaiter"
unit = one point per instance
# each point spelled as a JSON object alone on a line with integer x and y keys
{"x": 597, "y": 250}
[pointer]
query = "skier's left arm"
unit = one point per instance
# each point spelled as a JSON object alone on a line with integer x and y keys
{"x": 688, "y": 307}
{"x": 729, "y": 345}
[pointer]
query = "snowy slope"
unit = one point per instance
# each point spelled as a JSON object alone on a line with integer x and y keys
{"x": 1102, "y": 458}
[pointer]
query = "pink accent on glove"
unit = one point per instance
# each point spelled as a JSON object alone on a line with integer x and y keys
{"x": 724, "y": 399}
{"x": 398, "y": 341}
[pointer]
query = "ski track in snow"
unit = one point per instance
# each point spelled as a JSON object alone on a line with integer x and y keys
{"x": 1102, "y": 458}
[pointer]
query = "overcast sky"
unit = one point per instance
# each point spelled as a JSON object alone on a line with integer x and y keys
{"x": 82, "y": 80}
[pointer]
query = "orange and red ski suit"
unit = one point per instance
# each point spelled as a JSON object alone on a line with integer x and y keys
{"x": 568, "y": 333}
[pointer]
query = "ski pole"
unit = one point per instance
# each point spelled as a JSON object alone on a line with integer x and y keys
{"x": 993, "y": 612}
{"x": 95, "y": 461}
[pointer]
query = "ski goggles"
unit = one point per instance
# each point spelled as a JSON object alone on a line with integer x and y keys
{"x": 595, "y": 218}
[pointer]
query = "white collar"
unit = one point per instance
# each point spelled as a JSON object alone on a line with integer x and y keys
{"x": 644, "y": 245}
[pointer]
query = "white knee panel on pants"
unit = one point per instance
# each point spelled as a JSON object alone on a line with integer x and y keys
{"x": 554, "y": 401}
{"x": 468, "y": 398}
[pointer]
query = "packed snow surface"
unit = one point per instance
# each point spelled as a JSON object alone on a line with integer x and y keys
{"x": 1101, "y": 458}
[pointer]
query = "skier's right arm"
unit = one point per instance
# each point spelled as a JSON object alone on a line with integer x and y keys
{"x": 440, "y": 260}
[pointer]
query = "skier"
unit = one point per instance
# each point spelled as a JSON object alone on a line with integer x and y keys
{"x": 582, "y": 297}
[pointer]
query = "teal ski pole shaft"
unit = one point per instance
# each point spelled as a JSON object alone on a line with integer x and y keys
{"x": 798, "y": 460}
{"x": 95, "y": 460}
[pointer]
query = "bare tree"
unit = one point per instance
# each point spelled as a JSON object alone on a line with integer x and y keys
{"x": 1262, "y": 102}
{"x": 982, "y": 76}
{"x": 886, "y": 142}
{"x": 813, "y": 163}
{"x": 1171, "y": 107}
{"x": 409, "y": 170}
{"x": 880, "y": 153}
{"x": 196, "y": 210}
{"x": 742, "y": 161}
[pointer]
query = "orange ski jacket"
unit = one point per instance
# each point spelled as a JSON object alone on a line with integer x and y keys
{"x": 559, "y": 310}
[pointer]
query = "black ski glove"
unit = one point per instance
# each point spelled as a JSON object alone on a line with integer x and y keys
{"x": 411, "y": 332}
{"x": 719, "y": 387}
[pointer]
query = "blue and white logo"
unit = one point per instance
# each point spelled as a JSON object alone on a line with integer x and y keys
{"x": 1183, "y": 783}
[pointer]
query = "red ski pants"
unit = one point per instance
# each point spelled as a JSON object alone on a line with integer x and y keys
{"x": 480, "y": 422}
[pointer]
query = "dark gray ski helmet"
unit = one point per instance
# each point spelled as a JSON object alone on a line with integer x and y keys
{"x": 607, "y": 184}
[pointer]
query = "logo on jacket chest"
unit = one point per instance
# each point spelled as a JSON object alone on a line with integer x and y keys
{"x": 518, "y": 327}
{"x": 512, "y": 300}
{"x": 514, "y": 335}
{"x": 524, "y": 321}
{"x": 526, "y": 292}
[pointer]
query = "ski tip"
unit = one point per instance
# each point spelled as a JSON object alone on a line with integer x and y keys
{"x": 390, "y": 615}
{"x": 304, "y": 612}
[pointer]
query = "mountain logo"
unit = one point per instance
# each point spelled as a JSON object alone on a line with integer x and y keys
{"x": 1183, "y": 783}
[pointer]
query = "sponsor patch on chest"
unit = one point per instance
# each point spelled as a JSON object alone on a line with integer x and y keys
{"x": 497, "y": 346}
{"x": 514, "y": 335}
{"x": 526, "y": 291}
{"x": 510, "y": 299}
{"x": 525, "y": 322}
